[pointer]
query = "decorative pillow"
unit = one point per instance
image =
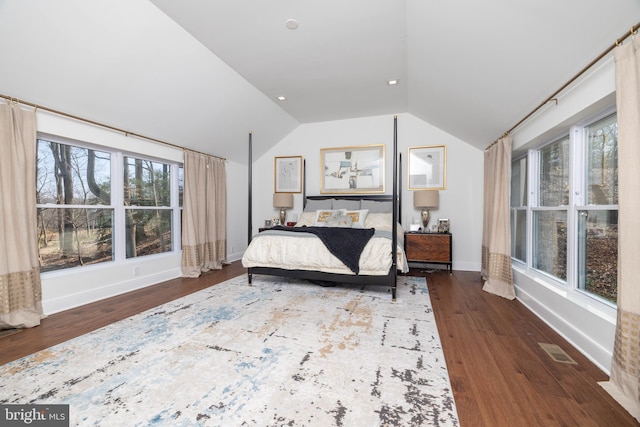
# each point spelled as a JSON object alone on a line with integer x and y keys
{"x": 314, "y": 205}
{"x": 343, "y": 221}
{"x": 306, "y": 218}
{"x": 350, "y": 205}
{"x": 379, "y": 221}
{"x": 357, "y": 217}
{"x": 323, "y": 215}
{"x": 377, "y": 207}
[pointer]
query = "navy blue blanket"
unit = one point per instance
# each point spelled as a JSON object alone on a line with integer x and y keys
{"x": 346, "y": 244}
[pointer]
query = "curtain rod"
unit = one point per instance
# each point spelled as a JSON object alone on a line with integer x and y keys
{"x": 126, "y": 133}
{"x": 632, "y": 31}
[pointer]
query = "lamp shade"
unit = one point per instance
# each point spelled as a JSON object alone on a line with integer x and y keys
{"x": 283, "y": 200}
{"x": 426, "y": 199}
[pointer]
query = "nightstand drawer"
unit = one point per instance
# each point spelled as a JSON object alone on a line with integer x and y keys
{"x": 428, "y": 247}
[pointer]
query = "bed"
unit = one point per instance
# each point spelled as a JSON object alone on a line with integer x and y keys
{"x": 330, "y": 232}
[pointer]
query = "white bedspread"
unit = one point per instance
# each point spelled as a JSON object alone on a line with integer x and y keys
{"x": 309, "y": 253}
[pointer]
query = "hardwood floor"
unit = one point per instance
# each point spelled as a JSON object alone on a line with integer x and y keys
{"x": 499, "y": 374}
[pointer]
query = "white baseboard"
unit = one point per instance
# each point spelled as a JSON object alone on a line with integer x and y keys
{"x": 594, "y": 351}
{"x": 67, "y": 302}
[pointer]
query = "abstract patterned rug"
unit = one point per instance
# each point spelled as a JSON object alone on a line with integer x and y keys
{"x": 278, "y": 353}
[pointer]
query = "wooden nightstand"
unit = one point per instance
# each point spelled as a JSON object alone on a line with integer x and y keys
{"x": 431, "y": 248}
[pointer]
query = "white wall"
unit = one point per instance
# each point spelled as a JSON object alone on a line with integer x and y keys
{"x": 461, "y": 202}
{"x": 585, "y": 322}
{"x": 237, "y": 202}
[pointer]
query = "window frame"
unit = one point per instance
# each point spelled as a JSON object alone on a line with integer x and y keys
{"x": 519, "y": 208}
{"x": 577, "y": 202}
{"x": 118, "y": 207}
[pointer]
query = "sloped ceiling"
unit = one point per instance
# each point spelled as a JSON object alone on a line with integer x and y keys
{"x": 202, "y": 73}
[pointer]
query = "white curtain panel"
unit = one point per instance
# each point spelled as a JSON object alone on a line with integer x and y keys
{"x": 204, "y": 214}
{"x": 20, "y": 287}
{"x": 624, "y": 383}
{"x": 496, "y": 232}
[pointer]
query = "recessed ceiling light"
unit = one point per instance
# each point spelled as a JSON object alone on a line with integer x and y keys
{"x": 291, "y": 24}
{"x": 392, "y": 82}
{"x": 282, "y": 98}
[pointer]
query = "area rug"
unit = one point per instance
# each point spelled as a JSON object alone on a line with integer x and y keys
{"x": 278, "y": 353}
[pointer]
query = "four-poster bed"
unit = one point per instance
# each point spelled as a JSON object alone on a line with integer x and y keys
{"x": 317, "y": 254}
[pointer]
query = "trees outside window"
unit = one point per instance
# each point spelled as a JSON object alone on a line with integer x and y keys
{"x": 519, "y": 202}
{"x": 79, "y": 205}
{"x": 597, "y": 225}
{"x": 550, "y": 214}
{"x": 573, "y": 231}
{"x": 147, "y": 203}
{"x": 75, "y": 216}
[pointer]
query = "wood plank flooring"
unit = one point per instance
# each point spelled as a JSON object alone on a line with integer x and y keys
{"x": 499, "y": 374}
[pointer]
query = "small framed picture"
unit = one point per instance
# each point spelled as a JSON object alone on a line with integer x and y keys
{"x": 288, "y": 174}
{"x": 443, "y": 225}
{"x": 428, "y": 168}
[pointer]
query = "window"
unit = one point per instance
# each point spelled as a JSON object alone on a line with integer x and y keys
{"x": 85, "y": 218}
{"x": 75, "y": 215}
{"x": 147, "y": 202}
{"x": 573, "y": 209}
{"x": 550, "y": 214}
{"x": 597, "y": 245}
{"x": 519, "y": 209}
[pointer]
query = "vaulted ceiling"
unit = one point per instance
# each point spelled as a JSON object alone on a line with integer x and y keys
{"x": 202, "y": 73}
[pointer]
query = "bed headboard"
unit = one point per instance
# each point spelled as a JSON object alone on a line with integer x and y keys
{"x": 376, "y": 197}
{"x": 358, "y": 197}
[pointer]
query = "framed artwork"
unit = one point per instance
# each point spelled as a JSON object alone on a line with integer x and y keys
{"x": 287, "y": 175}
{"x": 354, "y": 170}
{"x": 428, "y": 168}
{"x": 443, "y": 225}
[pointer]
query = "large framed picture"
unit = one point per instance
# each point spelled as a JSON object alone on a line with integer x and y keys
{"x": 287, "y": 174}
{"x": 353, "y": 170}
{"x": 428, "y": 168}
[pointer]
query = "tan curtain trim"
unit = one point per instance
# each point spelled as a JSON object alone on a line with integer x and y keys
{"x": 192, "y": 255}
{"x": 626, "y": 352}
{"x": 22, "y": 306}
{"x": 25, "y": 287}
{"x": 499, "y": 266}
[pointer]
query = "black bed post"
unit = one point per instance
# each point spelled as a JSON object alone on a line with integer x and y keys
{"x": 400, "y": 187}
{"x": 249, "y": 207}
{"x": 394, "y": 215}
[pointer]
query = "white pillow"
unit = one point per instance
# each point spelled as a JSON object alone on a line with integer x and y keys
{"x": 358, "y": 217}
{"x": 380, "y": 221}
{"x": 306, "y": 218}
{"x": 323, "y": 215}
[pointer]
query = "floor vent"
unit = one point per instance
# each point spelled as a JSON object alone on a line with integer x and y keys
{"x": 557, "y": 354}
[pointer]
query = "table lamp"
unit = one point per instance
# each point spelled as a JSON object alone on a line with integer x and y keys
{"x": 283, "y": 201}
{"x": 426, "y": 200}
